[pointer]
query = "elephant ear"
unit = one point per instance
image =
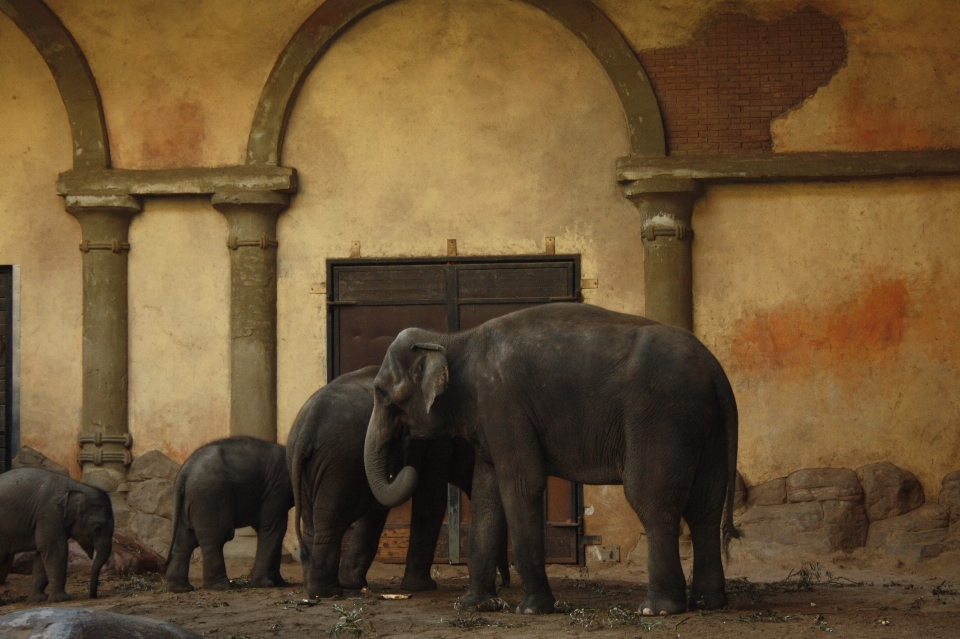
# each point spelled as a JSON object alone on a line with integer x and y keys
{"x": 72, "y": 504}
{"x": 432, "y": 373}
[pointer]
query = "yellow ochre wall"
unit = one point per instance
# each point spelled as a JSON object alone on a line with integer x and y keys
{"x": 831, "y": 306}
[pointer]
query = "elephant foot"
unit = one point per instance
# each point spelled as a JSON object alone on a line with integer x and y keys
{"x": 480, "y": 601}
{"x": 318, "y": 592}
{"x": 58, "y": 597}
{"x": 658, "y": 604}
{"x": 352, "y": 581}
{"x": 537, "y": 605}
{"x": 418, "y": 583}
{"x": 37, "y": 597}
{"x": 174, "y": 586}
{"x": 703, "y": 601}
{"x": 262, "y": 582}
{"x": 219, "y": 584}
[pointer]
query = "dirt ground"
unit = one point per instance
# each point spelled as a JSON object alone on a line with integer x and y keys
{"x": 846, "y": 601}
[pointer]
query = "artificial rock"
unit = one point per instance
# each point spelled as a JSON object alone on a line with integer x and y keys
{"x": 152, "y": 465}
{"x": 950, "y": 495}
{"x": 822, "y": 484}
{"x": 916, "y": 535}
{"x": 769, "y": 493}
{"x": 151, "y": 496}
{"x": 30, "y": 458}
{"x": 889, "y": 491}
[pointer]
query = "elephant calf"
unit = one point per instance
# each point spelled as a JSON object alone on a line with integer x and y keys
{"x": 228, "y": 484}
{"x": 40, "y": 511}
{"x": 325, "y": 458}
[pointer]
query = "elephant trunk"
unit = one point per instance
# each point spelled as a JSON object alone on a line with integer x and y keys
{"x": 376, "y": 460}
{"x": 104, "y": 549}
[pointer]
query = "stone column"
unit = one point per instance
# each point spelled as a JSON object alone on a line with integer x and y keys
{"x": 666, "y": 208}
{"x": 104, "y": 433}
{"x": 253, "y": 308}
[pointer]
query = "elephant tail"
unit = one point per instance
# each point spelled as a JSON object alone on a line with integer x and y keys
{"x": 728, "y": 409}
{"x": 179, "y": 487}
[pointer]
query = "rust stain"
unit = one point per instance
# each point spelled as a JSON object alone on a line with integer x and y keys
{"x": 871, "y": 126}
{"x": 866, "y": 328}
{"x": 173, "y": 133}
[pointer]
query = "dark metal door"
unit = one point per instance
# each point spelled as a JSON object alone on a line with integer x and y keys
{"x": 371, "y": 301}
{"x": 6, "y": 364}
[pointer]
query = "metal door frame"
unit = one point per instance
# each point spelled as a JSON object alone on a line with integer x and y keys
{"x": 11, "y": 444}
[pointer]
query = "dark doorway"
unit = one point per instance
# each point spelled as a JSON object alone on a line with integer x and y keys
{"x": 6, "y": 366}
{"x": 371, "y": 300}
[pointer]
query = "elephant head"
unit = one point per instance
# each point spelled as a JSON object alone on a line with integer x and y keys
{"x": 411, "y": 377}
{"x": 88, "y": 515}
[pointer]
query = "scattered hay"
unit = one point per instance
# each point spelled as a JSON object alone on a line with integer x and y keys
{"x": 139, "y": 583}
{"x": 351, "y": 623}
{"x": 476, "y": 621}
{"x": 594, "y": 618}
{"x": 769, "y": 616}
{"x": 805, "y": 579}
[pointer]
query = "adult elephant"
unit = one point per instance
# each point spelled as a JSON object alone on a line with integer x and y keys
{"x": 325, "y": 459}
{"x": 584, "y": 394}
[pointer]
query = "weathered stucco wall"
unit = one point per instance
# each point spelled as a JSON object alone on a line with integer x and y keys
{"x": 483, "y": 121}
{"x": 837, "y": 322}
{"x": 37, "y": 234}
{"x": 179, "y": 327}
{"x": 830, "y": 305}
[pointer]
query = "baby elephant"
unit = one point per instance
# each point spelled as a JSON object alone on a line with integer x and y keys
{"x": 40, "y": 511}
{"x": 228, "y": 484}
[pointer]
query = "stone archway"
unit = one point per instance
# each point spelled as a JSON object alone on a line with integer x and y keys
{"x": 78, "y": 88}
{"x": 334, "y": 17}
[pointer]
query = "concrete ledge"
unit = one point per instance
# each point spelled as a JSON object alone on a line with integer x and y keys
{"x": 787, "y": 167}
{"x": 191, "y": 181}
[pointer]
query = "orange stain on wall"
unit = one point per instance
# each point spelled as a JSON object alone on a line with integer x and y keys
{"x": 866, "y": 328}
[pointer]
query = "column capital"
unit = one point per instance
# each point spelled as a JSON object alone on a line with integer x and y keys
{"x": 264, "y": 202}
{"x": 118, "y": 203}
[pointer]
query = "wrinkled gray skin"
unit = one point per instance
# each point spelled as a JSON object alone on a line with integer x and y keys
{"x": 41, "y": 511}
{"x": 325, "y": 458}
{"x": 581, "y": 393}
{"x": 227, "y": 484}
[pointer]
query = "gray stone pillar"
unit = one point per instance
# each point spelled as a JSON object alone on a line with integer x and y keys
{"x": 104, "y": 433}
{"x": 666, "y": 208}
{"x": 253, "y": 308}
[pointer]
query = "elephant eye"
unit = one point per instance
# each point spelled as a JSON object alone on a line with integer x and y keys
{"x": 98, "y": 529}
{"x": 382, "y": 396}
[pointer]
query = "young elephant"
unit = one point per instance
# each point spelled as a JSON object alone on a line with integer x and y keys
{"x": 40, "y": 511}
{"x": 228, "y": 484}
{"x": 325, "y": 457}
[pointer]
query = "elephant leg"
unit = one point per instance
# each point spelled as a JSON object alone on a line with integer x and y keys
{"x": 270, "y": 534}
{"x": 334, "y": 509}
{"x": 657, "y": 493}
{"x": 522, "y": 489}
{"x": 54, "y": 558}
{"x": 214, "y": 567}
{"x": 40, "y": 581}
{"x": 704, "y": 513}
{"x": 178, "y": 564}
{"x": 429, "y": 506}
{"x": 266, "y": 565}
{"x": 487, "y": 529}
{"x": 364, "y": 544}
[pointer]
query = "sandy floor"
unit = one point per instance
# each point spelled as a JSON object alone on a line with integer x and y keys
{"x": 766, "y": 601}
